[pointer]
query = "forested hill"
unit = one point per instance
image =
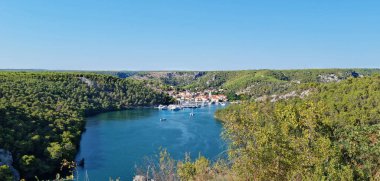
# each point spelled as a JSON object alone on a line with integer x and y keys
{"x": 244, "y": 84}
{"x": 42, "y": 113}
{"x": 333, "y": 134}
{"x": 241, "y": 84}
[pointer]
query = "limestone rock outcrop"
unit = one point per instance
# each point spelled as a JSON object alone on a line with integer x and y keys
{"x": 7, "y": 159}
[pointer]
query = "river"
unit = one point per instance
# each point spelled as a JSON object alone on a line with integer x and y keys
{"x": 115, "y": 142}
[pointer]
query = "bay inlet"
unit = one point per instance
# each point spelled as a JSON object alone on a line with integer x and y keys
{"x": 115, "y": 142}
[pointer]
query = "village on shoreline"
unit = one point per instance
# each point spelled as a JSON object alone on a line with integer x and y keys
{"x": 189, "y": 99}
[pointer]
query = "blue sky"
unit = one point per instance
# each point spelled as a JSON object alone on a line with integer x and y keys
{"x": 189, "y": 34}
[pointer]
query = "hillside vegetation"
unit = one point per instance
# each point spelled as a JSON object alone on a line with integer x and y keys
{"x": 247, "y": 84}
{"x": 333, "y": 134}
{"x": 252, "y": 84}
{"x": 42, "y": 114}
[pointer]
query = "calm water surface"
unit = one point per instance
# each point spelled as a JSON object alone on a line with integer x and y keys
{"x": 117, "y": 141}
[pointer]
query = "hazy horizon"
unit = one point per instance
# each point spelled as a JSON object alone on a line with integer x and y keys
{"x": 184, "y": 70}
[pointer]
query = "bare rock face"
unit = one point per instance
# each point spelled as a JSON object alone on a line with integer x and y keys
{"x": 275, "y": 98}
{"x": 305, "y": 93}
{"x": 89, "y": 82}
{"x": 139, "y": 178}
{"x": 329, "y": 78}
{"x": 7, "y": 159}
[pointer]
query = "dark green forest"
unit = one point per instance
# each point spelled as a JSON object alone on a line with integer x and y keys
{"x": 42, "y": 114}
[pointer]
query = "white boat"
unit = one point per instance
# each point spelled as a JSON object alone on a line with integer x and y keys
{"x": 222, "y": 104}
{"x": 173, "y": 107}
{"x": 162, "y": 107}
